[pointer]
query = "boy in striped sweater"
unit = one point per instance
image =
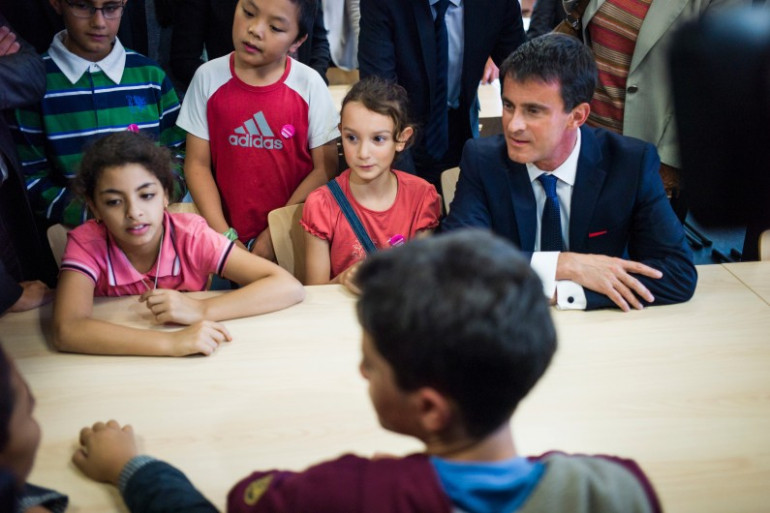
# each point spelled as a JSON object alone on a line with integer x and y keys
{"x": 94, "y": 86}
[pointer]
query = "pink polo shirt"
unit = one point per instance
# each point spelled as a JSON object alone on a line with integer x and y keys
{"x": 191, "y": 251}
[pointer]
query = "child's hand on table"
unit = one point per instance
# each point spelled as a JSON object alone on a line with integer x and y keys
{"x": 202, "y": 337}
{"x": 105, "y": 450}
{"x": 173, "y": 306}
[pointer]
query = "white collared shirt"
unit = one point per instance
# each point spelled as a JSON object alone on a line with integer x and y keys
{"x": 73, "y": 66}
{"x": 456, "y": 43}
{"x": 569, "y": 295}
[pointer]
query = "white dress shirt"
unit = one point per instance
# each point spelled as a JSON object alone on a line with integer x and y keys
{"x": 569, "y": 295}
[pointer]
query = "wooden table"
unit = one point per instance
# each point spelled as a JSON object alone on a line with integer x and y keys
{"x": 682, "y": 389}
{"x": 755, "y": 275}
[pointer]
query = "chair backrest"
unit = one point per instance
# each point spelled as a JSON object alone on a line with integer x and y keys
{"x": 57, "y": 239}
{"x": 764, "y": 246}
{"x": 448, "y": 185}
{"x": 188, "y": 208}
{"x": 288, "y": 239}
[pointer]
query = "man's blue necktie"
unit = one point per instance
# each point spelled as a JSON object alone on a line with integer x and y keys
{"x": 437, "y": 128}
{"x": 550, "y": 223}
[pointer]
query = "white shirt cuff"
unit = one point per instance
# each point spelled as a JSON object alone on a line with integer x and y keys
{"x": 570, "y": 296}
{"x": 544, "y": 264}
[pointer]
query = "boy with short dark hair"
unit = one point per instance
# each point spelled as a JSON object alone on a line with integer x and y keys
{"x": 448, "y": 367}
{"x": 261, "y": 126}
{"x": 95, "y": 86}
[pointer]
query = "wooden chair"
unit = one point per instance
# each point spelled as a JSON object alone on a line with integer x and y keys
{"x": 57, "y": 239}
{"x": 189, "y": 208}
{"x": 288, "y": 239}
{"x": 764, "y": 246}
{"x": 448, "y": 185}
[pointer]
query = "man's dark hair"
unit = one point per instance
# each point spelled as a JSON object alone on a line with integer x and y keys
{"x": 307, "y": 13}
{"x": 464, "y": 314}
{"x": 554, "y": 58}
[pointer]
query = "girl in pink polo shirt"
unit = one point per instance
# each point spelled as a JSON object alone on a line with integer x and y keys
{"x": 392, "y": 206}
{"x": 133, "y": 246}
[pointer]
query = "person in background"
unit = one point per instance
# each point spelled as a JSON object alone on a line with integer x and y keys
{"x": 392, "y": 206}
{"x": 546, "y": 14}
{"x": 587, "y": 204}
{"x": 19, "y": 440}
{"x": 342, "y": 19}
{"x": 94, "y": 87}
{"x": 261, "y": 126}
{"x": 25, "y": 264}
{"x": 133, "y": 246}
{"x": 448, "y": 368}
{"x": 631, "y": 40}
{"x": 206, "y": 25}
{"x": 437, "y": 50}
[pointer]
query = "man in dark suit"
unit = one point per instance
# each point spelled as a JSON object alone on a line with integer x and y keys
{"x": 603, "y": 233}
{"x": 397, "y": 42}
{"x": 22, "y": 257}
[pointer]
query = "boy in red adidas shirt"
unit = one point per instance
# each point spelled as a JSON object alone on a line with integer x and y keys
{"x": 261, "y": 126}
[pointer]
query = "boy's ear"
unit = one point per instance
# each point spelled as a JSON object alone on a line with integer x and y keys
{"x": 295, "y": 45}
{"x": 403, "y": 138}
{"x": 434, "y": 410}
{"x": 56, "y": 4}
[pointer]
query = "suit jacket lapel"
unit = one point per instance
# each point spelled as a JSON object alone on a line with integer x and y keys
{"x": 658, "y": 21}
{"x": 524, "y": 206}
{"x": 424, "y": 21}
{"x": 588, "y": 184}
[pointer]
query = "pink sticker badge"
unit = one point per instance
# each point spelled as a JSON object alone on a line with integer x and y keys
{"x": 133, "y": 127}
{"x": 287, "y": 131}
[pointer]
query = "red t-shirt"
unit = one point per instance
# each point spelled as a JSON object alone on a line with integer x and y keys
{"x": 260, "y": 137}
{"x": 417, "y": 207}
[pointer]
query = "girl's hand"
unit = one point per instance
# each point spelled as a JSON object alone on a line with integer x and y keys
{"x": 105, "y": 450}
{"x": 201, "y": 338}
{"x": 348, "y": 278}
{"x": 173, "y": 306}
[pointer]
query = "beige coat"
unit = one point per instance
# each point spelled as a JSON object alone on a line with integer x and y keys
{"x": 649, "y": 109}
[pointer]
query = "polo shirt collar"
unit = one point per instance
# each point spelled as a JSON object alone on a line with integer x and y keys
{"x": 120, "y": 272}
{"x": 74, "y": 66}
{"x": 566, "y": 172}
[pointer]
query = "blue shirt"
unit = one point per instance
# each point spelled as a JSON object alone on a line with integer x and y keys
{"x": 487, "y": 487}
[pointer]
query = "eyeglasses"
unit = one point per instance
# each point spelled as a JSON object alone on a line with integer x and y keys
{"x": 84, "y": 10}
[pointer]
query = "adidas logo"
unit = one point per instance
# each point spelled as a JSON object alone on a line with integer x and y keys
{"x": 255, "y": 133}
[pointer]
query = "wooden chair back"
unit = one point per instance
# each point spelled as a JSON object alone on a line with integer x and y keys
{"x": 288, "y": 239}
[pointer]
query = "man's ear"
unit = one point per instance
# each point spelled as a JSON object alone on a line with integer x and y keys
{"x": 296, "y": 44}
{"x": 579, "y": 115}
{"x": 56, "y": 4}
{"x": 434, "y": 410}
{"x": 403, "y": 138}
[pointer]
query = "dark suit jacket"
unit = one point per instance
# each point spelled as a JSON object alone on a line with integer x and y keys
{"x": 546, "y": 14}
{"x": 396, "y": 42}
{"x": 22, "y": 256}
{"x": 618, "y": 208}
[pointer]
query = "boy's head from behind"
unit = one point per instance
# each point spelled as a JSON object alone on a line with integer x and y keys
{"x": 19, "y": 432}
{"x": 461, "y": 316}
{"x": 92, "y": 25}
{"x": 265, "y": 31}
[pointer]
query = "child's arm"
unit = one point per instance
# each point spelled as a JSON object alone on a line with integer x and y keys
{"x": 318, "y": 265}
{"x": 75, "y": 331}
{"x": 324, "y": 169}
{"x": 108, "y": 454}
{"x": 200, "y": 181}
{"x": 265, "y": 287}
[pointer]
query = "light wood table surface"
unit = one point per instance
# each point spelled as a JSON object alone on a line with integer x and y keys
{"x": 682, "y": 389}
{"x": 756, "y": 276}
